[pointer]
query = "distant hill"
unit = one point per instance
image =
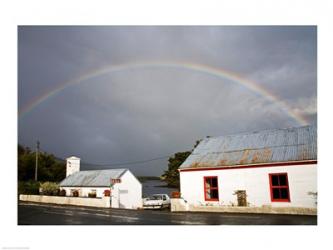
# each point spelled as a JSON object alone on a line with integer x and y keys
{"x": 148, "y": 178}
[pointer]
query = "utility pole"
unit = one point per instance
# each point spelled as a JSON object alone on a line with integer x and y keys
{"x": 36, "y": 168}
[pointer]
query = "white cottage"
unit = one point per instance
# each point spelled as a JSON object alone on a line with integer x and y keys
{"x": 124, "y": 188}
{"x": 271, "y": 168}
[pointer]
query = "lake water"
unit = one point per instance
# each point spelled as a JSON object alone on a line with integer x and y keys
{"x": 156, "y": 187}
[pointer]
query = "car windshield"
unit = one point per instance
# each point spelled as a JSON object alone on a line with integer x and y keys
{"x": 155, "y": 197}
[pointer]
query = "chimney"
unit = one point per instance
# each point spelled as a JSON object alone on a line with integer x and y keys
{"x": 72, "y": 165}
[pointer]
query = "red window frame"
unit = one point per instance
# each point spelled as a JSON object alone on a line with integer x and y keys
{"x": 279, "y": 187}
{"x": 211, "y": 188}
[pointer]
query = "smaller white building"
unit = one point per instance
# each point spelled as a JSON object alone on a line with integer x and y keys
{"x": 123, "y": 187}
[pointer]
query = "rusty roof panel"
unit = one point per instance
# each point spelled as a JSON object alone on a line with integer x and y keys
{"x": 268, "y": 146}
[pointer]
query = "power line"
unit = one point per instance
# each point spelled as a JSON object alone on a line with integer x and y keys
{"x": 126, "y": 163}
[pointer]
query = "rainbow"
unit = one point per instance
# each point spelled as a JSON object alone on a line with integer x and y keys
{"x": 213, "y": 71}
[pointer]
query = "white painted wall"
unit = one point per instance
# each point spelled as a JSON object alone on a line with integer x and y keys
{"x": 127, "y": 194}
{"x": 72, "y": 165}
{"x": 302, "y": 179}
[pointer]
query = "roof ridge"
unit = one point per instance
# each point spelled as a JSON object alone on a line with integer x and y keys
{"x": 258, "y": 131}
{"x": 90, "y": 170}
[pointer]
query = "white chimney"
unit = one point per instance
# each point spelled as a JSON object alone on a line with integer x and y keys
{"x": 72, "y": 165}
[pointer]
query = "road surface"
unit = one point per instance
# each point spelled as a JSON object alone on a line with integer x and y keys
{"x": 50, "y": 214}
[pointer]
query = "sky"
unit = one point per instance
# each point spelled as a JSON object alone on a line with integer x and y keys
{"x": 120, "y": 94}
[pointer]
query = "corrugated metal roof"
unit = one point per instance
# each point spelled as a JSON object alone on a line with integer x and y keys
{"x": 267, "y": 146}
{"x": 92, "y": 178}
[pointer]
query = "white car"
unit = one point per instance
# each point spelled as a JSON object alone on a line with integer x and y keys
{"x": 156, "y": 201}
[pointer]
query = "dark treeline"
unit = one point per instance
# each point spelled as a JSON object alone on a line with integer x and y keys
{"x": 50, "y": 168}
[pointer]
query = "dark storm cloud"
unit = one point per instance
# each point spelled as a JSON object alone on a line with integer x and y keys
{"x": 146, "y": 113}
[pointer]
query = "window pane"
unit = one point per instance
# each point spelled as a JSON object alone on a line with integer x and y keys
{"x": 275, "y": 180}
{"x": 215, "y": 194}
{"x": 207, "y": 182}
{"x": 276, "y": 193}
{"x": 283, "y": 180}
{"x": 214, "y": 182}
{"x": 211, "y": 188}
{"x": 284, "y": 193}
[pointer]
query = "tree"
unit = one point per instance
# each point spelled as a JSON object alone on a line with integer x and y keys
{"x": 171, "y": 176}
{"x": 49, "y": 167}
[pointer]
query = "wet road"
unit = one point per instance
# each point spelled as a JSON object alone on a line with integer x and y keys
{"x": 49, "y": 214}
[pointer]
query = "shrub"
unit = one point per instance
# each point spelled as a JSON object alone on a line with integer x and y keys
{"x": 62, "y": 192}
{"x": 107, "y": 192}
{"x": 49, "y": 188}
{"x": 28, "y": 187}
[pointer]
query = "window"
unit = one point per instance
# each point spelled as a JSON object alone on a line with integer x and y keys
{"x": 211, "y": 188}
{"x": 92, "y": 193}
{"x": 74, "y": 192}
{"x": 279, "y": 187}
